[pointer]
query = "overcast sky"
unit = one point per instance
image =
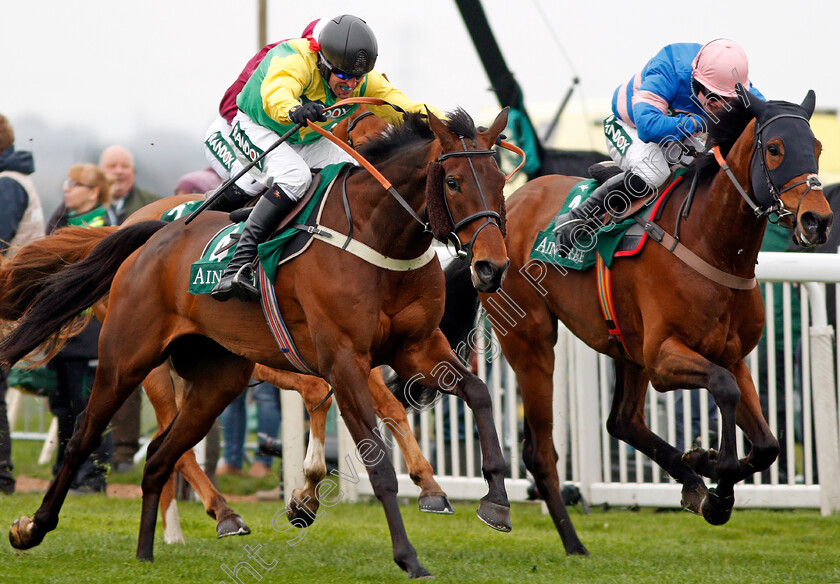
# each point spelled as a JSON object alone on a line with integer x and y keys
{"x": 124, "y": 67}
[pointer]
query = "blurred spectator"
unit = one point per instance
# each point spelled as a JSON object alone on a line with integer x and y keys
{"x": 87, "y": 197}
{"x": 118, "y": 163}
{"x": 21, "y": 221}
{"x": 87, "y": 200}
{"x": 234, "y": 422}
{"x": 198, "y": 182}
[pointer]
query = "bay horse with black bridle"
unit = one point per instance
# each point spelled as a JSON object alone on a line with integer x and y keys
{"x": 679, "y": 327}
{"x": 345, "y": 314}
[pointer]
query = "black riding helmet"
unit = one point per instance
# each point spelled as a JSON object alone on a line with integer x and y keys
{"x": 348, "y": 44}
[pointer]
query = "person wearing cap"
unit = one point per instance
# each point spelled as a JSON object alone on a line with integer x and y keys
{"x": 293, "y": 84}
{"x": 658, "y": 118}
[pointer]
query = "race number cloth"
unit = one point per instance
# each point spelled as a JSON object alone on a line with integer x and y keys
{"x": 207, "y": 271}
{"x": 606, "y": 239}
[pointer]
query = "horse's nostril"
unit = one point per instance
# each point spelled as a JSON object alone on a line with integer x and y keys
{"x": 810, "y": 222}
{"x": 484, "y": 270}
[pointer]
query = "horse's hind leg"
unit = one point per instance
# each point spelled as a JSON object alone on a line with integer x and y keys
{"x": 627, "y": 422}
{"x": 432, "y": 498}
{"x": 217, "y": 377}
{"x": 165, "y": 389}
{"x": 116, "y": 377}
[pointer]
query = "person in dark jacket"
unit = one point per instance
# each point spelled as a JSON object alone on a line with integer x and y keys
{"x": 87, "y": 196}
{"x": 118, "y": 163}
{"x": 21, "y": 221}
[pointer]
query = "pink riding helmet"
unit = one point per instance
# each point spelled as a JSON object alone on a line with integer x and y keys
{"x": 719, "y": 65}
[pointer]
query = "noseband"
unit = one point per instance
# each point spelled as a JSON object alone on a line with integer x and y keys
{"x": 464, "y": 250}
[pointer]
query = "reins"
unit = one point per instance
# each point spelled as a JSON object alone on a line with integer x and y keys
{"x": 776, "y": 207}
{"x": 386, "y": 184}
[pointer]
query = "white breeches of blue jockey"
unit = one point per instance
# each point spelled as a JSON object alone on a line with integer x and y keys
{"x": 650, "y": 160}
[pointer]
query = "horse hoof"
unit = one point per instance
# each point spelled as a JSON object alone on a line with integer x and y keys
{"x": 495, "y": 515}
{"x": 577, "y": 549}
{"x": 21, "y": 534}
{"x": 435, "y": 504}
{"x": 421, "y": 573}
{"x": 299, "y": 514}
{"x": 716, "y": 509}
{"x": 692, "y": 499}
{"x": 232, "y": 525}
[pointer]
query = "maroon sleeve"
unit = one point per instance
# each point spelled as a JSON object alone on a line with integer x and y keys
{"x": 227, "y": 107}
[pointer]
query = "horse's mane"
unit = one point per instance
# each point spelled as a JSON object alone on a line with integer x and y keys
{"x": 723, "y": 134}
{"x": 415, "y": 130}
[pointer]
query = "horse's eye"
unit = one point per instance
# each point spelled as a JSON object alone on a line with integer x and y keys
{"x": 773, "y": 150}
{"x": 451, "y": 183}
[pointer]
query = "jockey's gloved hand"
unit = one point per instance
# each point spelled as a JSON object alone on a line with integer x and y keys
{"x": 309, "y": 111}
{"x": 689, "y": 124}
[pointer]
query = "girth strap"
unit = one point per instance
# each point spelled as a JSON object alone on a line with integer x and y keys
{"x": 367, "y": 253}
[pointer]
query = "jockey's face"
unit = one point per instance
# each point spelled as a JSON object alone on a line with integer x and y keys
{"x": 341, "y": 88}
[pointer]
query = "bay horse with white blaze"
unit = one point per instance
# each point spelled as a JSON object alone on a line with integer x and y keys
{"x": 683, "y": 326}
{"x": 346, "y": 315}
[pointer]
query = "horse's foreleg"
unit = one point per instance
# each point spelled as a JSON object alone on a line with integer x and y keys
{"x": 348, "y": 376}
{"x": 627, "y": 422}
{"x": 302, "y": 505}
{"x": 676, "y": 366}
{"x": 430, "y": 363}
{"x": 764, "y": 447}
{"x": 432, "y": 498}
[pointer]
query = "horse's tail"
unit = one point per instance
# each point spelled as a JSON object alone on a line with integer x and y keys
{"x": 457, "y": 324}
{"x": 23, "y": 276}
{"x": 68, "y": 292}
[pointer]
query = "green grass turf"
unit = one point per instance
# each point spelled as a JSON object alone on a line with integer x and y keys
{"x": 96, "y": 538}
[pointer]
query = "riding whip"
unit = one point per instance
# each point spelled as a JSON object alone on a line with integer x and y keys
{"x": 221, "y": 188}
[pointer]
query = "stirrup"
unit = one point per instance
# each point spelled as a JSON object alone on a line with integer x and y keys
{"x": 240, "y": 285}
{"x": 567, "y": 223}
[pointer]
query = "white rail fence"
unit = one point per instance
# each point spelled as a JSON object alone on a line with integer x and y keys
{"x": 802, "y": 412}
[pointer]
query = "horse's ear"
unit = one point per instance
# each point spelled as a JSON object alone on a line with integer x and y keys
{"x": 446, "y": 138}
{"x": 496, "y": 127}
{"x": 753, "y": 104}
{"x": 809, "y": 103}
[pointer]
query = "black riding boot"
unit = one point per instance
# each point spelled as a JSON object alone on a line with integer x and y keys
{"x": 594, "y": 206}
{"x": 238, "y": 279}
{"x": 232, "y": 198}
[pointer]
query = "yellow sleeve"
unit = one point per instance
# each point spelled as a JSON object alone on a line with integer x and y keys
{"x": 378, "y": 86}
{"x": 285, "y": 81}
